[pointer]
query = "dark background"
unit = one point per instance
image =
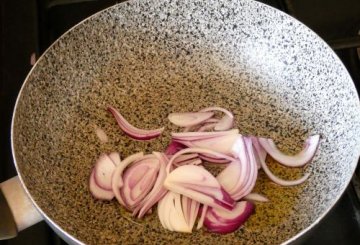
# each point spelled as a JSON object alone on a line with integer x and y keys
{"x": 30, "y": 26}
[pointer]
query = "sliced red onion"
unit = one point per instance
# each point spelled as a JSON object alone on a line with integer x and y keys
{"x": 239, "y": 177}
{"x": 174, "y": 147}
{"x": 222, "y": 144}
{"x": 138, "y": 180}
{"x": 197, "y": 150}
{"x": 103, "y": 171}
{"x": 256, "y": 197}
{"x": 157, "y": 192}
{"x": 212, "y": 120}
{"x": 212, "y": 159}
{"x": 186, "y": 119}
{"x": 226, "y": 122}
{"x": 271, "y": 176}
{"x": 198, "y": 184}
{"x": 186, "y": 203}
{"x": 230, "y": 176}
{"x": 101, "y": 135}
{"x": 115, "y": 157}
{"x": 186, "y": 157}
{"x": 189, "y": 129}
{"x": 180, "y": 190}
{"x": 217, "y": 108}
{"x": 198, "y": 127}
{"x": 280, "y": 181}
{"x": 189, "y": 136}
{"x": 259, "y": 152}
{"x": 297, "y": 160}
{"x": 177, "y": 217}
{"x": 171, "y": 213}
{"x": 191, "y": 210}
{"x": 238, "y": 171}
{"x": 133, "y": 132}
{"x": 202, "y": 217}
{"x": 97, "y": 191}
{"x": 225, "y": 221}
{"x": 253, "y": 170}
{"x": 206, "y": 127}
{"x": 117, "y": 181}
{"x": 164, "y": 208}
{"x": 161, "y": 211}
{"x": 196, "y": 161}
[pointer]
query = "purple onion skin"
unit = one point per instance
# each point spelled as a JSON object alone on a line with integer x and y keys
{"x": 225, "y": 226}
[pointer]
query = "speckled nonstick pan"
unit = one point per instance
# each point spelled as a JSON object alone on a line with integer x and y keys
{"x": 149, "y": 58}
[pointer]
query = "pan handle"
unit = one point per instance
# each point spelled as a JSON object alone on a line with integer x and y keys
{"x": 16, "y": 209}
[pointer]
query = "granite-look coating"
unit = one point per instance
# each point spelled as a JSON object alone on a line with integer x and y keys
{"x": 149, "y": 58}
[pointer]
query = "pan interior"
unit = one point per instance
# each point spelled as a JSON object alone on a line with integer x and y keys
{"x": 150, "y": 58}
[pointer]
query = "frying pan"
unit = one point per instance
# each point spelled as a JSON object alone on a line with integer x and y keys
{"x": 150, "y": 58}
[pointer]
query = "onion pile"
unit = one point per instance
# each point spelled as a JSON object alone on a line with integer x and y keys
{"x": 177, "y": 180}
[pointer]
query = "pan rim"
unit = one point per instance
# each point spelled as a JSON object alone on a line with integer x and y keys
{"x": 72, "y": 239}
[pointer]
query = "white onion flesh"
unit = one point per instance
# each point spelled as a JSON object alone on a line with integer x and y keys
{"x": 298, "y": 160}
{"x": 256, "y": 197}
{"x": 97, "y": 191}
{"x": 117, "y": 181}
{"x": 187, "y": 119}
{"x": 198, "y": 184}
{"x": 104, "y": 169}
{"x": 188, "y": 136}
{"x": 171, "y": 213}
{"x": 157, "y": 192}
{"x": 115, "y": 157}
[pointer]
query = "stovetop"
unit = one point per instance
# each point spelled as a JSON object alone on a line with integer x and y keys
{"x": 28, "y": 27}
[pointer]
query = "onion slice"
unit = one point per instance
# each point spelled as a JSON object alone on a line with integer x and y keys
{"x": 193, "y": 210}
{"x": 225, "y": 221}
{"x": 117, "y": 181}
{"x": 239, "y": 177}
{"x": 276, "y": 179}
{"x": 186, "y": 157}
{"x": 174, "y": 147}
{"x": 97, "y": 191}
{"x": 133, "y": 132}
{"x": 297, "y": 160}
{"x": 212, "y": 159}
{"x": 171, "y": 214}
{"x": 197, "y": 127}
{"x": 226, "y": 122}
{"x": 104, "y": 169}
{"x": 157, "y": 192}
{"x": 202, "y": 217}
{"x": 189, "y": 136}
{"x": 100, "y": 133}
{"x": 197, "y": 150}
{"x": 206, "y": 127}
{"x": 196, "y": 161}
{"x": 197, "y": 183}
{"x": 231, "y": 176}
{"x": 115, "y": 157}
{"x": 256, "y": 197}
{"x": 259, "y": 152}
{"x": 221, "y": 144}
{"x": 138, "y": 180}
{"x": 186, "y": 119}
{"x": 217, "y": 108}
{"x": 280, "y": 181}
